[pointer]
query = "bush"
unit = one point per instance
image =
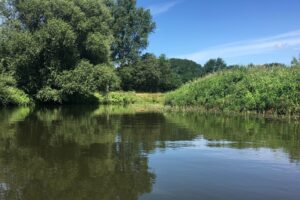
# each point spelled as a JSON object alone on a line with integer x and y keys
{"x": 9, "y": 94}
{"x": 79, "y": 84}
{"x": 259, "y": 89}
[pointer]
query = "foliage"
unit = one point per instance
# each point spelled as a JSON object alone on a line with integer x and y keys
{"x": 131, "y": 28}
{"x": 295, "y": 62}
{"x": 259, "y": 89}
{"x": 64, "y": 51}
{"x": 214, "y": 65}
{"x": 43, "y": 43}
{"x": 187, "y": 70}
{"x": 149, "y": 74}
{"x": 125, "y": 98}
{"x": 9, "y": 94}
{"x": 117, "y": 98}
{"x": 82, "y": 81}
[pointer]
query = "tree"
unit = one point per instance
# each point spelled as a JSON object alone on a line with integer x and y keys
{"x": 147, "y": 74}
{"x": 105, "y": 78}
{"x": 126, "y": 73}
{"x": 144, "y": 75}
{"x": 186, "y": 69}
{"x": 295, "y": 62}
{"x": 214, "y": 65}
{"x": 168, "y": 80}
{"x": 131, "y": 28}
{"x": 269, "y": 65}
{"x": 80, "y": 82}
{"x": 43, "y": 41}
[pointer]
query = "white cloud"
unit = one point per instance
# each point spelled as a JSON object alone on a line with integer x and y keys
{"x": 162, "y": 8}
{"x": 250, "y": 47}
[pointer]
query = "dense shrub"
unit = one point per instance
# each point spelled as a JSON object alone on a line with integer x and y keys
{"x": 9, "y": 94}
{"x": 79, "y": 83}
{"x": 260, "y": 89}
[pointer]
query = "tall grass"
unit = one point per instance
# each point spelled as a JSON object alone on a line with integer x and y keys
{"x": 260, "y": 89}
{"x": 125, "y": 98}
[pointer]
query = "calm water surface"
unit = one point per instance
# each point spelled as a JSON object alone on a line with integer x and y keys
{"x": 112, "y": 153}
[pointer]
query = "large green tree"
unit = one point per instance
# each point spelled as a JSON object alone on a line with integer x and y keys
{"x": 131, "y": 28}
{"x": 44, "y": 40}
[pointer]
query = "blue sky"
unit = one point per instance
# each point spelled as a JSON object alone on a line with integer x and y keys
{"x": 240, "y": 31}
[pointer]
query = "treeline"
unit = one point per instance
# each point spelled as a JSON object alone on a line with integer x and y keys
{"x": 272, "y": 88}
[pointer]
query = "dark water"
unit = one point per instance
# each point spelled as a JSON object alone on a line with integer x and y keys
{"x": 90, "y": 153}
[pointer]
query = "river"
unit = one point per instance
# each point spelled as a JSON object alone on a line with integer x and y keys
{"x": 107, "y": 153}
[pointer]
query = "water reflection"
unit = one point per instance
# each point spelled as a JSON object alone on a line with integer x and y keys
{"x": 243, "y": 132}
{"x": 60, "y": 154}
{"x": 98, "y": 153}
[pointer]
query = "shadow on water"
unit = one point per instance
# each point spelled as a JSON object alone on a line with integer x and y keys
{"x": 81, "y": 152}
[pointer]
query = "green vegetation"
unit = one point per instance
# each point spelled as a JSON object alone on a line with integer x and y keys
{"x": 125, "y": 98}
{"x": 62, "y": 51}
{"x": 82, "y": 51}
{"x": 186, "y": 69}
{"x": 259, "y": 89}
{"x": 149, "y": 74}
{"x": 9, "y": 94}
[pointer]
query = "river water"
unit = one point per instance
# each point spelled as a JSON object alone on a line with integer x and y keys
{"x": 107, "y": 153}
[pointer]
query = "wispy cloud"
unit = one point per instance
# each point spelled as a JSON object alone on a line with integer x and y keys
{"x": 163, "y": 7}
{"x": 250, "y": 47}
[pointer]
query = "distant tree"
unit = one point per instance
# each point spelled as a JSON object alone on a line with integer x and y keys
{"x": 295, "y": 62}
{"x": 131, "y": 28}
{"x": 169, "y": 80}
{"x": 186, "y": 69}
{"x": 126, "y": 74}
{"x": 233, "y": 66}
{"x": 274, "y": 65}
{"x": 147, "y": 74}
{"x": 214, "y": 65}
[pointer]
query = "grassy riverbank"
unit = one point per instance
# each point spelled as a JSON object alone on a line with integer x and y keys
{"x": 264, "y": 90}
{"x": 125, "y": 98}
{"x": 267, "y": 91}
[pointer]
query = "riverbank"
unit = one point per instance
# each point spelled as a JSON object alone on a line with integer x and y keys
{"x": 260, "y": 90}
{"x": 125, "y": 98}
{"x": 131, "y": 102}
{"x": 269, "y": 92}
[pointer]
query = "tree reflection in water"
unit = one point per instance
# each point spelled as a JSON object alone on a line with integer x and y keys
{"x": 86, "y": 153}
